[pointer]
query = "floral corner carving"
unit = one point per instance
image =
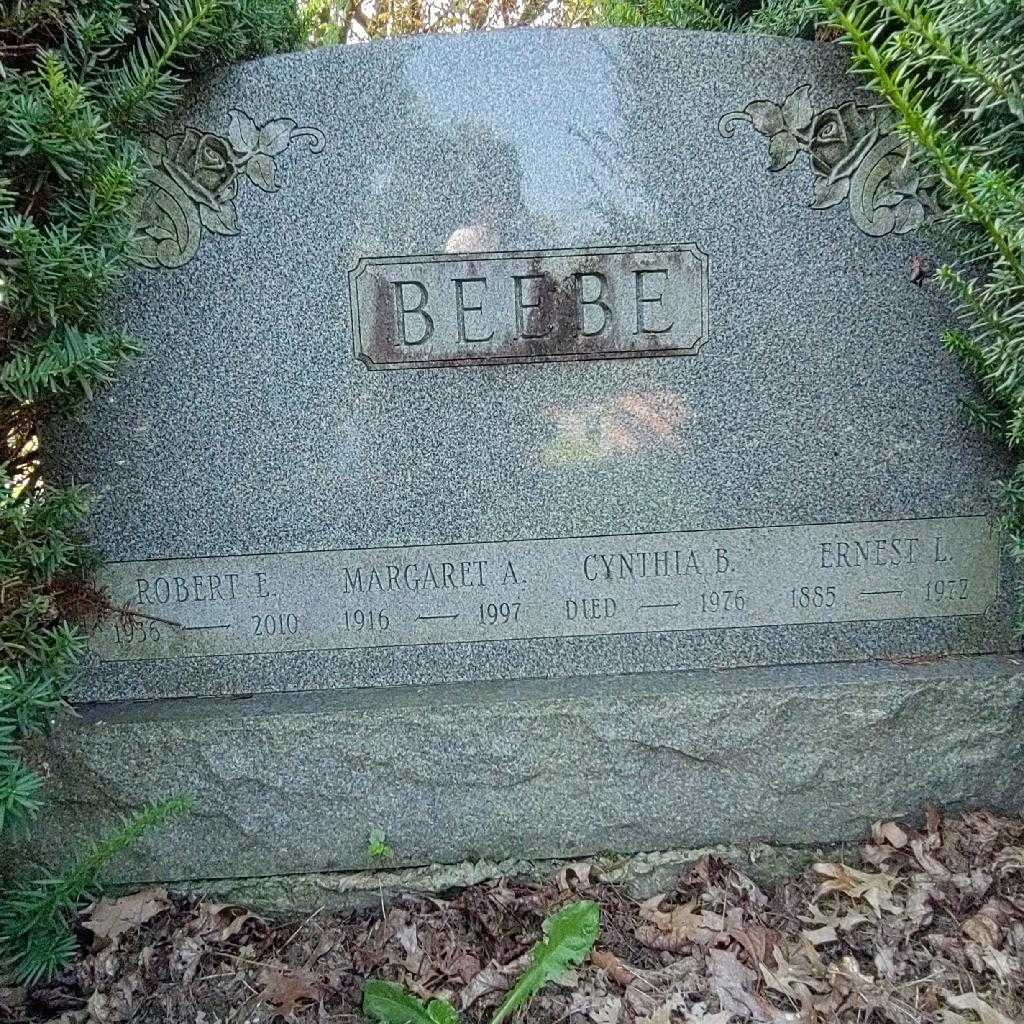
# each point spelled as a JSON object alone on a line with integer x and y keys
{"x": 855, "y": 154}
{"x": 191, "y": 181}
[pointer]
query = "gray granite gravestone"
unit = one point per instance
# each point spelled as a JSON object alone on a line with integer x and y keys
{"x": 541, "y": 446}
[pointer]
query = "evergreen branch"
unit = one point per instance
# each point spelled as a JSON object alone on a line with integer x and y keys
{"x": 957, "y": 169}
{"x": 67, "y": 363}
{"x": 146, "y": 87}
{"x": 67, "y": 194}
{"x": 35, "y": 919}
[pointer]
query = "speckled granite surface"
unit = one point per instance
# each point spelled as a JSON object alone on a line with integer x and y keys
{"x": 820, "y": 395}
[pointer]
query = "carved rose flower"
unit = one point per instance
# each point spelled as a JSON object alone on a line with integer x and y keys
{"x": 835, "y": 132}
{"x": 206, "y": 163}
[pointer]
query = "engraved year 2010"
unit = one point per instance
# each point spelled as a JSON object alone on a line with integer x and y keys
{"x": 275, "y": 625}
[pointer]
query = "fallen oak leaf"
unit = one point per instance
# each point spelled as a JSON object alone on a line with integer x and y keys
{"x": 486, "y": 981}
{"x": 674, "y": 930}
{"x": 113, "y": 917}
{"x": 662, "y": 1014}
{"x": 820, "y": 936}
{"x": 875, "y": 889}
{"x": 600, "y": 1008}
{"x": 288, "y": 989}
{"x": 972, "y": 1001}
{"x": 889, "y": 832}
{"x": 934, "y": 867}
{"x": 221, "y": 921}
{"x": 613, "y": 967}
{"x": 734, "y": 983}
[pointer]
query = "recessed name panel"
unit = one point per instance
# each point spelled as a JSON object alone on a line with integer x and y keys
{"x": 549, "y": 588}
{"x": 537, "y": 306}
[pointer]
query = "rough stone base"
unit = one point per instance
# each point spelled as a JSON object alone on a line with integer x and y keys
{"x": 641, "y": 875}
{"x": 293, "y": 783}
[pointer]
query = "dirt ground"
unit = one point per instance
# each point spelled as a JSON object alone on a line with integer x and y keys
{"x": 928, "y": 928}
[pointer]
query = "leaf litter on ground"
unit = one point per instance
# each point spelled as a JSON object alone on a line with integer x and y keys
{"x": 924, "y": 926}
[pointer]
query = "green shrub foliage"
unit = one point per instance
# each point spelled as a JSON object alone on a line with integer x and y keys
{"x": 80, "y": 83}
{"x": 953, "y": 72}
{"x": 775, "y": 17}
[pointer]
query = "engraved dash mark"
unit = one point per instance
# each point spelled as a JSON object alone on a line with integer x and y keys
{"x": 670, "y": 604}
{"x": 226, "y": 625}
{"x": 430, "y": 618}
{"x": 881, "y": 593}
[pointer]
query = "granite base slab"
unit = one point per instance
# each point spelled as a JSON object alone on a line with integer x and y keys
{"x": 293, "y": 783}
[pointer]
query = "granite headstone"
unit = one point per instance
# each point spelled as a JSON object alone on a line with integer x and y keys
{"x": 548, "y": 435}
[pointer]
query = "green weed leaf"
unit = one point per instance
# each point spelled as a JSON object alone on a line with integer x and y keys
{"x": 391, "y": 1004}
{"x": 569, "y": 936}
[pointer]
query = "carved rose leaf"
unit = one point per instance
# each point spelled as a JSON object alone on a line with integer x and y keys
{"x": 829, "y": 192}
{"x": 193, "y": 178}
{"x": 797, "y": 110}
{"x": 782, "y": 150}
{"x": 242, "y": 132}
{"x": 275, "y": 135}
{"x": 262, "y": 172}
{"x": 904, "y": 177}
{"x": 156, "y": 148}
{"x": 221, "y": 220}
{"x": 765, "y": 116}
{"x": 146, "y": 251}
{"x": 157, "y": 232}
{"x": 855, "y": 154}
{"x": 909, "y": 216}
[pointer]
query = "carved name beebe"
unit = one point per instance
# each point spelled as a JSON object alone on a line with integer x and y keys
{"x": 603, "y": 302}
{"x": 560, "y": 587}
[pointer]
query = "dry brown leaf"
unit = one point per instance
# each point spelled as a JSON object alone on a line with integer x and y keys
{"x": 820, "y": 936}
{"x": 1005, "y": 967}
{"x": 876, "y": 889}
{"x": 972, "y": 1001}
{"x": 662, "y": 1014}
{"x": 674, "y": 930}
{"x": 487, "y": 980}
{"x": 186, "y": 955}
{"x": 756, "y": 939}
{"x": 1010, "y": 858}
{"x": 574, "y": 875}
{"x": 924, "y": 857}
{"x": 696, "y": 1016}
{"x": 219, "y": 922}
{"x": 613, "y": 967}
{"x": 288, "y": 989}
{"x": 889, "y": 832}
{"x": 601, "y": 1008}
{"x": 734, "y": 983}
{"x": 987, "y": 925}
{"x": 111, "y": 918}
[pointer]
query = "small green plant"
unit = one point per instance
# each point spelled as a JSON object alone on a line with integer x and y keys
{"x": 379, "y": 847}
{"x": 569, "y": 936}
